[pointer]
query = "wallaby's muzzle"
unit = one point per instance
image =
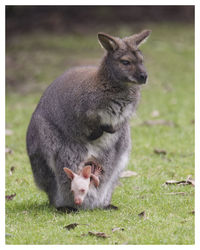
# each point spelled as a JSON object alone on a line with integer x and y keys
{"x": 142, "y": 78}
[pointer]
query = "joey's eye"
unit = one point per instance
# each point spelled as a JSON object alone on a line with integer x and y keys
{"x": 82, "y": 191}
{"x": 125, "y": 62}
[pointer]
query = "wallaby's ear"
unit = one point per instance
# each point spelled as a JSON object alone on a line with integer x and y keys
{"x": 107, "y": 42}
{"x": 141, "y": 37}
{"x": 86, "y": 172}
{"x": 95, "y": 180}
{"x": 69, "y": 173}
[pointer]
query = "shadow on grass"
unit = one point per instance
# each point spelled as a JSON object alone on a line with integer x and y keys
{"x": 28, "y": 206}
{"x": 45, "y": 207}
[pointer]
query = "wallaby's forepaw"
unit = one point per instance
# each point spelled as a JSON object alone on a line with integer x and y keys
{"x": 108, "y": 128}
{"x": 67, "y": 209}
{"x": 110, "y": 206}
{"x": 96, "y": 133}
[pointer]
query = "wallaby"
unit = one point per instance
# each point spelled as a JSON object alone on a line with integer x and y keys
{"x": 85, "y": 112}
{"x": 81, "y": 182}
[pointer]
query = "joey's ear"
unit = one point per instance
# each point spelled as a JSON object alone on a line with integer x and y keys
{"x": 107, "y": 42}
{"x": 95, "y": 179}
{"x": 69, "y": 173}
{"x": 86, "y": 172}
{"x": 141, "y": 37}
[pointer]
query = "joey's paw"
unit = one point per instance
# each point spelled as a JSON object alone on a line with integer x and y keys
{"x": 110, "y": 206}
{"x": 67, "y": 209}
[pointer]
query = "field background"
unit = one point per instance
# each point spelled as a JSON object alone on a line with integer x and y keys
{"x": 33, "y": 60}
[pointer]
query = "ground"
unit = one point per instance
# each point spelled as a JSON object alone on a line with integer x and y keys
{"x": 33, "y": 62}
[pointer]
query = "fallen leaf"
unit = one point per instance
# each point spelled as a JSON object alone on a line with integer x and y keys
{"x": 142, "y": 214}
{"x": 9, "y": 132}
{"x": 155, "y": 113}
{"x": 8, "y": 151}
{"x": 117, "y": 229}
{"x": 160, "y": 151}
{"x": 186, "y": 155}
{"x": 184, "y": 221}
{"x": 12, "y": 169}
{"x": 177, "y": 193}
{"x": 128, "y": 173}
{"x": 158, "y": 122}
{"x": 141, "y": 197}
{"x": 98, "y": 234}
{"x": 73, "y": 225}
{"x": 192, "y": 121}
{"x": 174, "y": 182}
{"x": 190, "y": 180}
{"x": 10, "y": 197}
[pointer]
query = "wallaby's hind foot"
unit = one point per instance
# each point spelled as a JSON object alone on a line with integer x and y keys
{"x": 67, "y": 210}
{"x": 111, "y": 207}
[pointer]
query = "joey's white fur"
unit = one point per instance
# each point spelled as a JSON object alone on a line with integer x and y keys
{"x": 80, "y": 183}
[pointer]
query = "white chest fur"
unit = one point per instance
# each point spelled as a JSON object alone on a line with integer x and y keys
{"x": 115, "y": 115}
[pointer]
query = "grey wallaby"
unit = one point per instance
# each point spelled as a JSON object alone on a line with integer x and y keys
{"x": 85, "y": 112}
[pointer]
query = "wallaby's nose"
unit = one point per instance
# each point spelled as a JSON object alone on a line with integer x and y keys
{"x": 78, "y": 201}
{"x": 143, "y": 77}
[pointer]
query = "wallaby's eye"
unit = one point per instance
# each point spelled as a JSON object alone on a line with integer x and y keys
{"x": 82, "y": 191}
{"x": 125, "y": 62}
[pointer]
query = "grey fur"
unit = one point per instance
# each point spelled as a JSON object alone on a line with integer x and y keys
{"x": 85, "y": 112}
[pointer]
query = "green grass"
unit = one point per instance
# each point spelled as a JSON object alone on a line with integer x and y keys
{"x": 36, "y": 60}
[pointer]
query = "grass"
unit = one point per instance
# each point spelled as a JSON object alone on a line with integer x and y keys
{"x": 32, "y": 63}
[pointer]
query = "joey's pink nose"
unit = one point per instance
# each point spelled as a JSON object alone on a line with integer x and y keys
{"x": 78, "y": 201}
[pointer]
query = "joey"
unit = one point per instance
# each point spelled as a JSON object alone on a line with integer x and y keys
{"x": 80, "y": 183}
